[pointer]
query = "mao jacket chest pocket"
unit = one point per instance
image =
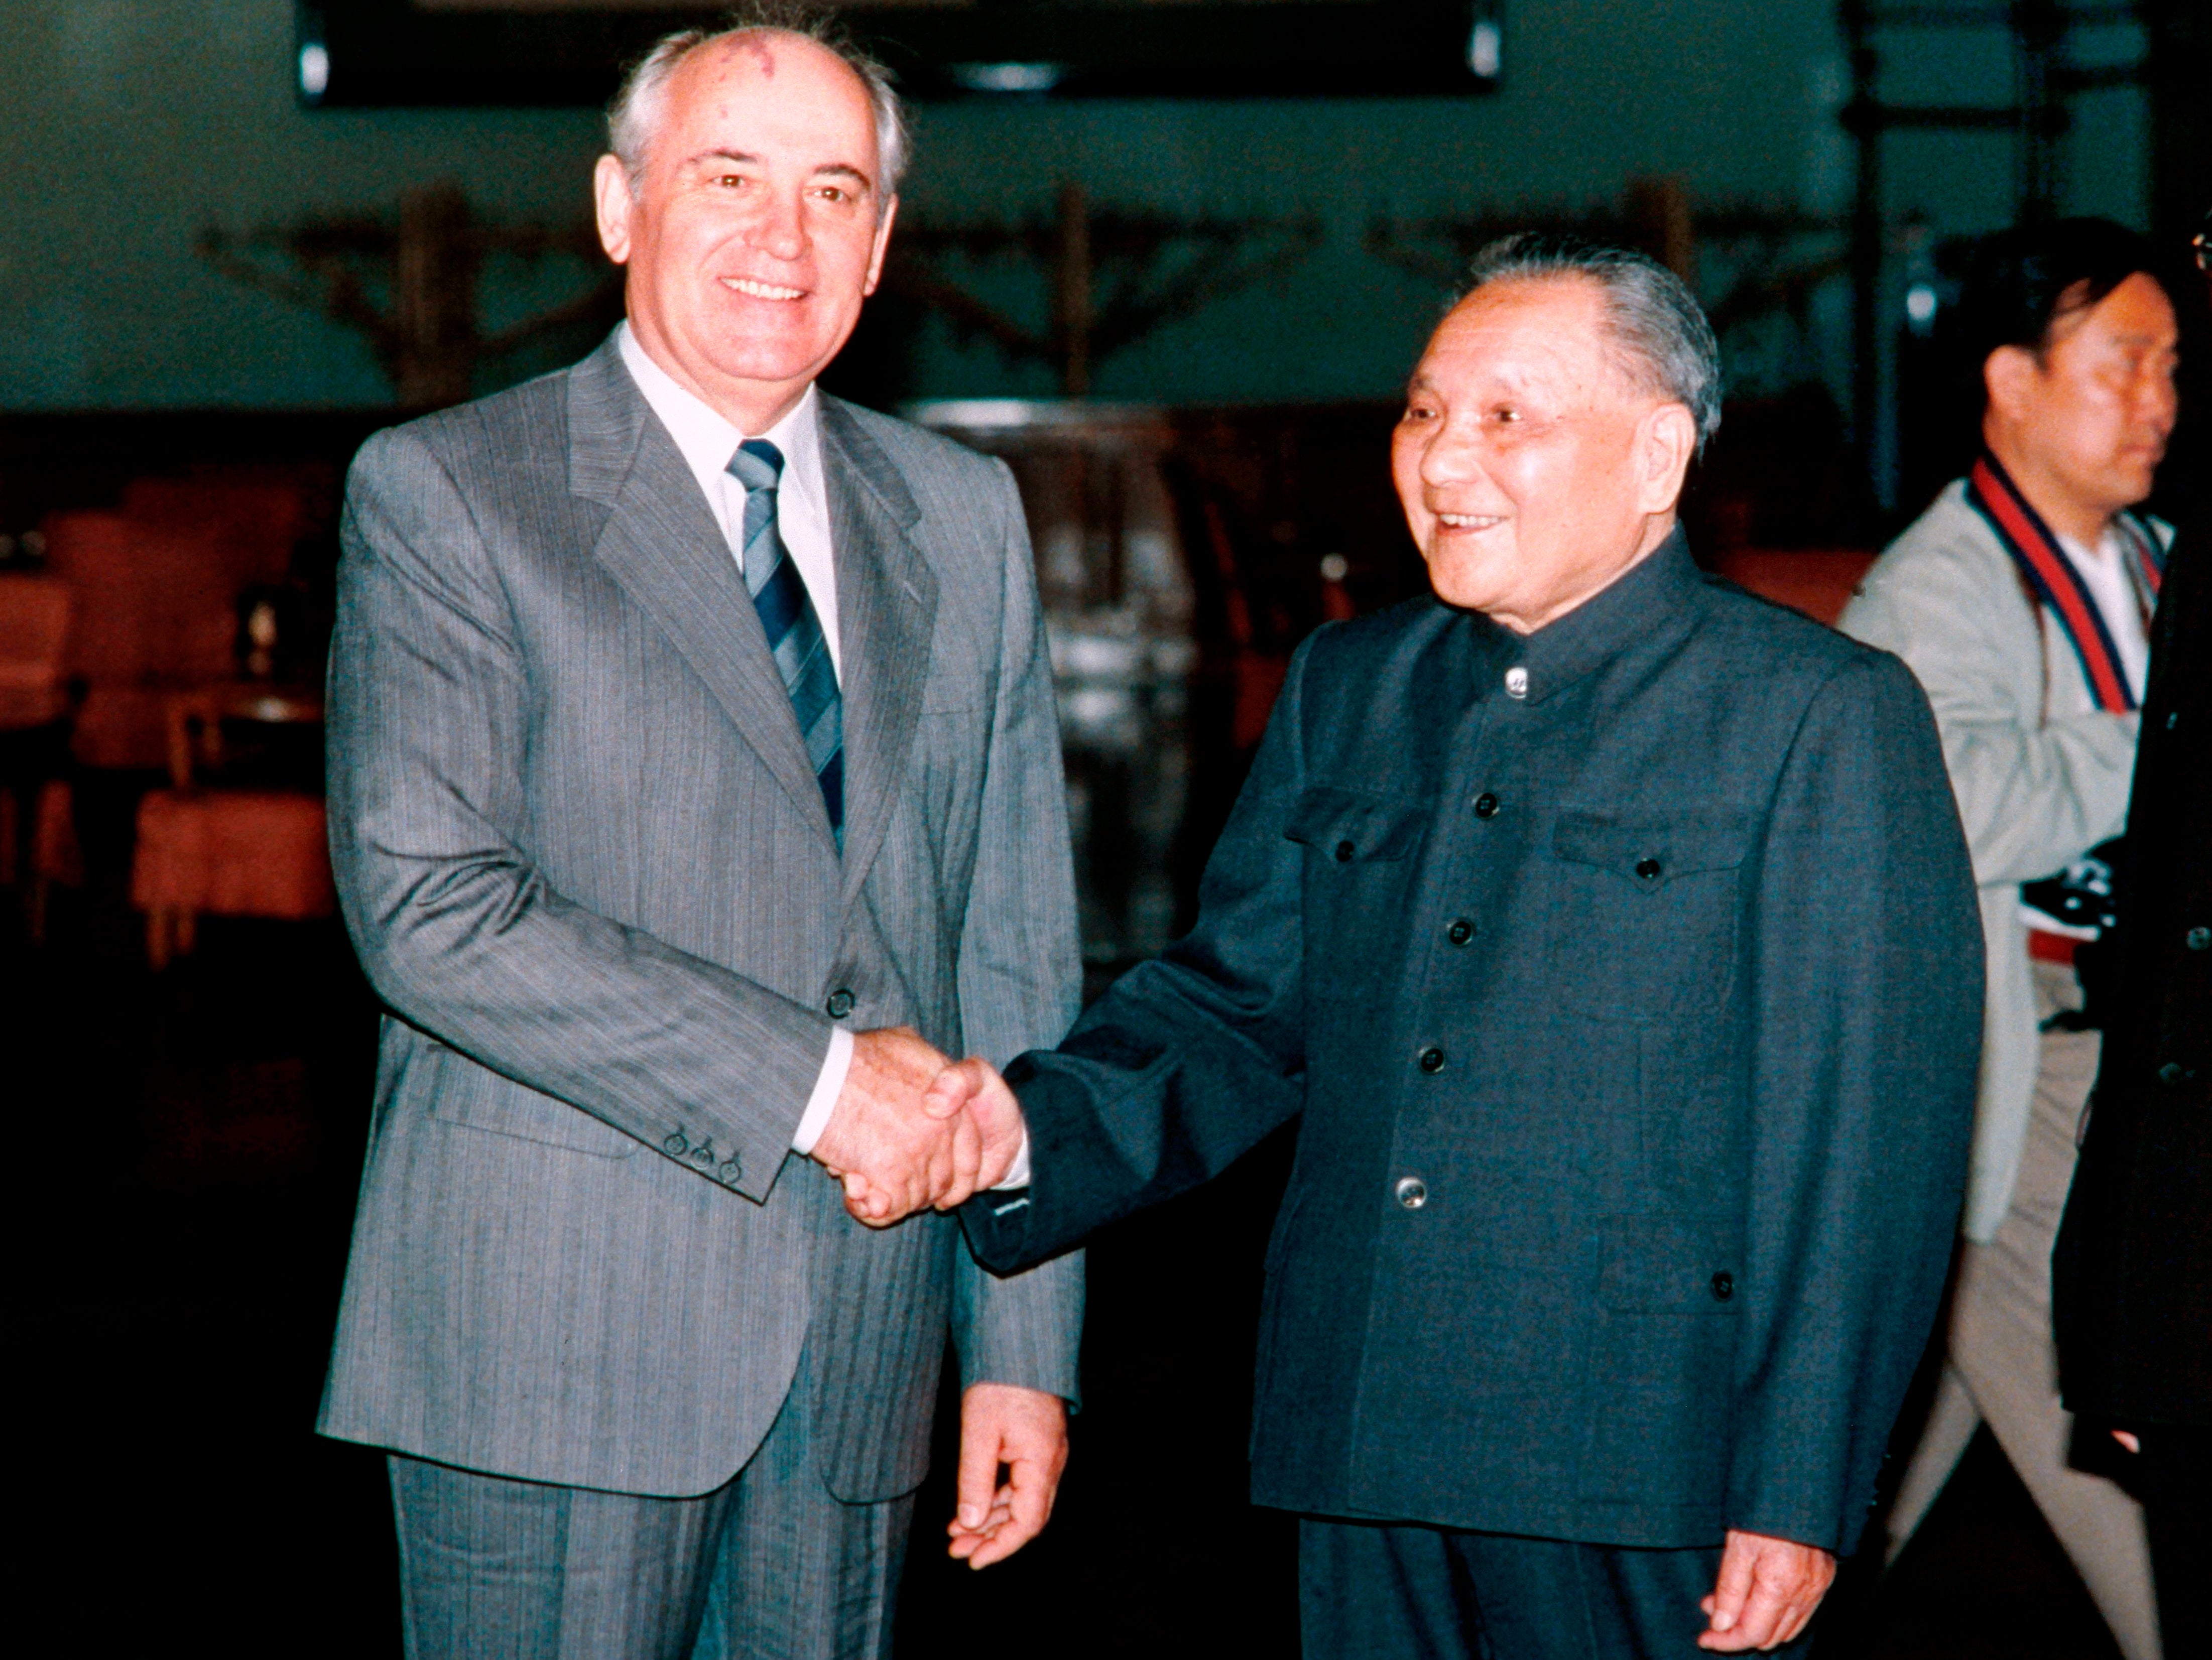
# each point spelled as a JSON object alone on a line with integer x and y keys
{"x": 1342, "y": 827}
{"x": 1360, "y": 856}
{"x": 1645, "y": 927}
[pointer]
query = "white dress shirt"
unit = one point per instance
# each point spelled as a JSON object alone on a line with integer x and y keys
{"x": 708, "y": 442}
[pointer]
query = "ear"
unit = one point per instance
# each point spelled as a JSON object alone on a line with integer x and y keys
{"x": 2008, "y": 375}
{"x": 883, "y": 242}
{"x": 1665, "y": 443}
{"x": 610, "y": 198}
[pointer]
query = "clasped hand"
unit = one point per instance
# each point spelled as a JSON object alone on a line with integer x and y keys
{"x": 913, "y": 1128}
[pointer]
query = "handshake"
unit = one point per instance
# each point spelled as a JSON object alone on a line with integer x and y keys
{"x": 913, "y": 1129}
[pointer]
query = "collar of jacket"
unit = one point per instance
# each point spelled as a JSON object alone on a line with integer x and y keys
{"x": 1650, "y": 595}
{"x": 608, "y": 417}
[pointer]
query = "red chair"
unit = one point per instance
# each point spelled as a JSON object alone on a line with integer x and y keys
{"x": 260, "y": 513}
{"x": 155, "y": 615}
{"x": 1818, "y": 581}
{"x": 38, "y": 836}
{"x": 204, "y": 852}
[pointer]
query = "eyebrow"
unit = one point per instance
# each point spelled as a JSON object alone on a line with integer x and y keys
{"x": 827, "y": 170}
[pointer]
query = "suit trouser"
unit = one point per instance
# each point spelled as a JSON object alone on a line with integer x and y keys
{"x": 2002, "y": 1368}
{"x": 768, "y": 1566}
{"x": 1378, "y": 1591}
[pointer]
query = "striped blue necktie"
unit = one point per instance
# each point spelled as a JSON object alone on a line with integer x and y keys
{"x": 794, "y": 632}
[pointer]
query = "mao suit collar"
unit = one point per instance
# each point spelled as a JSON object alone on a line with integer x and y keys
{"x": 1652, "y": 595}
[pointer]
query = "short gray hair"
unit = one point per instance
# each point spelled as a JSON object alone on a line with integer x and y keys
{"x": 634, "y": 118}
{"x": 1665, "y": 344}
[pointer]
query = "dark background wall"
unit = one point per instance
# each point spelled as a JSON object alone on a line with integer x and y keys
{"x": 133, "y": 125}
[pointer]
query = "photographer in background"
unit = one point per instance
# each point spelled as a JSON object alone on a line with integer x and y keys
{"x": 2022, "y": 600}
{"x": 2132, "y": 1278}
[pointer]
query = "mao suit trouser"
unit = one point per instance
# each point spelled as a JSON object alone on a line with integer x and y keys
{"x": 768, "y": 1566}
{"x": 1377, "y": 1591}
{"x": 2002, "y": 1365}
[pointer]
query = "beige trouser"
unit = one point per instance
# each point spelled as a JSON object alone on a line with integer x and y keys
{"x": 2002, "y": 1368}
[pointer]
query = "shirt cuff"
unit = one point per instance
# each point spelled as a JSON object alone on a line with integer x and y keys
{"x": 828, "y": 1087}
{"x": 1018, "y": 1173}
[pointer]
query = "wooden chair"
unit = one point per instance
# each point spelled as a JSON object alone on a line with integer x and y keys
{"x": 1818, "y": 581}
{"x": 218, "y": 852}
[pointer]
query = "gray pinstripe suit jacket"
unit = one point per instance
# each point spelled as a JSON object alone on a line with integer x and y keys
{"x": 588, "y": 870}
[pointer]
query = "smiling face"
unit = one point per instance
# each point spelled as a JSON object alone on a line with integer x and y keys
{"x": 1532, "y": 470}
{"x": 2083, "y": 426}
{"x": 756, "y": 228}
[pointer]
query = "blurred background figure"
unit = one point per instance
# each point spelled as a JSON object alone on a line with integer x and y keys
{"x": 2132, "y": 1278}
{"x": 2022, "y": 600}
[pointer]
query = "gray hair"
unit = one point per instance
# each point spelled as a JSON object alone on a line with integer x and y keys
{"x": 1665, "y": 344}
{"x": 634, "y": 119}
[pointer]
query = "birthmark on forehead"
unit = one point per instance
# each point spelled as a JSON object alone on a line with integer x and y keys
{"x": 763, "y": 55}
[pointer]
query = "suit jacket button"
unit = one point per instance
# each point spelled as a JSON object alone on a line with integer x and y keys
{"x": 2199, "y": 939}
{"x": 1344, "y": 852}
{"x": 1412, "y": 1192}
{"x": 1460, "y": 932}
{"x": 1724, "y": 1285}
{"x": 1648, "y": 869}
{"x": 676, "y": 1146}
{"x": 1432, "y": 1060}
{"x": 840, "y": 1004}
{"x": 1485, "y": 805}
{"x": 2172, "y": 1072}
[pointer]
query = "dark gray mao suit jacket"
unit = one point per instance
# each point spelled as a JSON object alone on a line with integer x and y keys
{"x": 588, "y": 869}
{"x": 1633, "y": 1023}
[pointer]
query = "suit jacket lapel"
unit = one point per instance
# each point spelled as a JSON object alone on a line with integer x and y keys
{"x": 661, "y": 543}
{"x": 886, "y": 614}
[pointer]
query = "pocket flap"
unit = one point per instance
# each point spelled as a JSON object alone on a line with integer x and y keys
{"x": 1651, "y": 852}
{"x": 1689, "y": 1264}
{"x": 1332, "y": 821}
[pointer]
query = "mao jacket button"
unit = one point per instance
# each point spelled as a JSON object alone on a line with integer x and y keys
{"x": 676, "y": 1146}
{"x": 1724, "y": 1285}
{"x": 1648, "y": 869}
{"x": 1460, "y": 932}
{"x": 2200, "y": 939}
{"x": 840, "y": 1004}
{"x": 1432, "y": 1060}
{"x": 1412, "y": 1192}
{"x": 1344, "y": 852}
{"x": 1485, "y": 805}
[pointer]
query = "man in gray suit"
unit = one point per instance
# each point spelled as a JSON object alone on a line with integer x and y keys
{"x": 695, "y": 782}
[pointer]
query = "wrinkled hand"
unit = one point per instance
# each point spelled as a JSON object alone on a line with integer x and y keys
{"x": 1026, "y": 1431}
{"x": 1766, "y": 1592}
{"x": 974, "y": 1089}
{"x": 893, "y": 1157}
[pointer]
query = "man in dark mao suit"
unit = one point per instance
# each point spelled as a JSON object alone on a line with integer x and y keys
{"x": 1610, "y": 933}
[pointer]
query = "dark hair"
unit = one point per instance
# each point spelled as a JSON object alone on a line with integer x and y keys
{"x": 2021, "y": 281}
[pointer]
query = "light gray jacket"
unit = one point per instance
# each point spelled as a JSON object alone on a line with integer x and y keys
{"x": 588, "y": 870}
{"x": 2039, "y": 780}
